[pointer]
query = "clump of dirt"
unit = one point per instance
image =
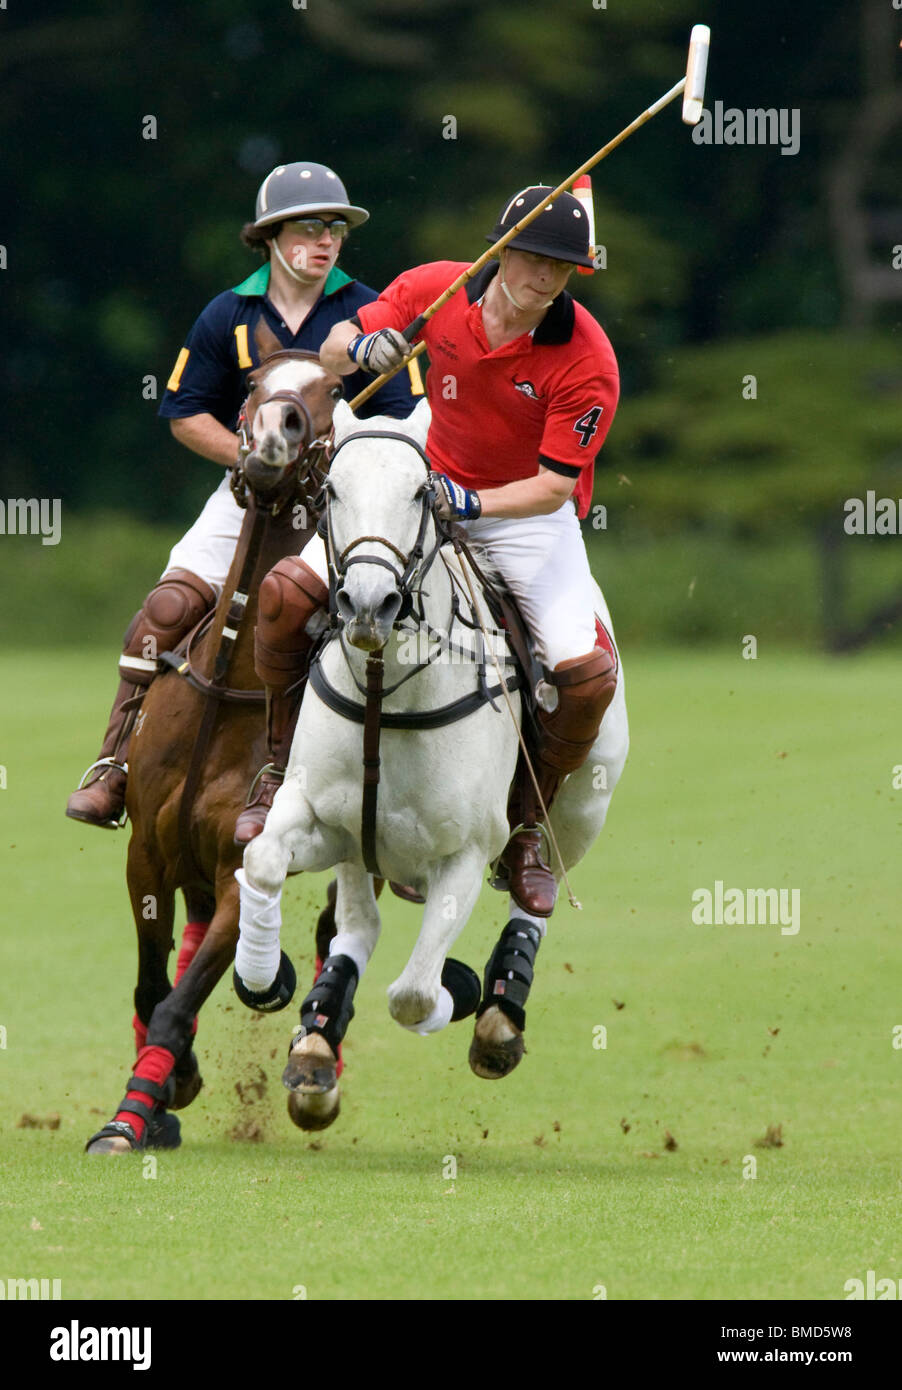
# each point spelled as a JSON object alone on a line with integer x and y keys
{"x": 670, "y": 1143}
{"x": 27, "y": 1121}
{"x": 685, "y": 1052}
{"x": 772, "y": 1138}
{"x": 254, "y": 1116}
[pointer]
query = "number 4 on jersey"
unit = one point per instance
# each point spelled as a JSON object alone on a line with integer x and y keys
{"x": 587, "y": 424}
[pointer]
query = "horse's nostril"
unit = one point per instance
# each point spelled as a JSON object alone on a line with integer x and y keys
{"x": 293, "y": 421}
{"x": 345, "y": 606}
{"x": 388, "y": 609}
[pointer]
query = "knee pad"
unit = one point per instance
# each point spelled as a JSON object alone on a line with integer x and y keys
{"x": 170, "y": 611}
{"x": 585, "y": 687}
{"x": 289, "y": 597}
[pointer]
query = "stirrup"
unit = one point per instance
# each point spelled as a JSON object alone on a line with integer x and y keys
{"x": 499, "y": 873}
{"x": 106, "y": 762}
{"x": 267, "y": 767}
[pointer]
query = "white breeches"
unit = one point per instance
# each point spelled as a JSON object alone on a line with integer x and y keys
{"x": 208, "y": 548}
{"x": 544, "y": 563}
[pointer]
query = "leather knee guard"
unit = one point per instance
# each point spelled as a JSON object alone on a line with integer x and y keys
{"x": 289, "y": 597}
{"x": 585, "y": 687}
{"x": 170, "y": 611}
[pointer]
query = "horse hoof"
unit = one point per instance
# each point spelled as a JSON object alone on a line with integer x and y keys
{"x": 188, "y": 1083}
{"x": 108, "y": 1144}
{"x": 497, "y": 1046}
{"x": 312, "y": 1067}
{"x": 312, "y": 1112}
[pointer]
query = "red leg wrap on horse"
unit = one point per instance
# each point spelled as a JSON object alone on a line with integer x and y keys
{"x": 153, "y": 1064}
{"x": 140, "y": 1033}
{"x": 192, "y": 936}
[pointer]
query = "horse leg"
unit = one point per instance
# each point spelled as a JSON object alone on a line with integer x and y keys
{"x": 419, "y": 999}
{"x": 171, "y": 1028}
{"x": 313, "y": 1060}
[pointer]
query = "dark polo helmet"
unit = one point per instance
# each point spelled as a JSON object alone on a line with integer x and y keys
{"x": 293, "y": 190}
{"x": 561, "y": 231}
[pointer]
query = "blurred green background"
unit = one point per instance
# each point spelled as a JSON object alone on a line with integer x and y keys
{"x": 724, "y": 262}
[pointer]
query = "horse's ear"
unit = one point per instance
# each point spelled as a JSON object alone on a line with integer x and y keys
{"x": 417, "y": 423}
{"x": 344, "y": 421}
{"x": 266, "y": 341}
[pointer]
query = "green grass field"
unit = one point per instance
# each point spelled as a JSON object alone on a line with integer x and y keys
{"x": 769, "y": 773}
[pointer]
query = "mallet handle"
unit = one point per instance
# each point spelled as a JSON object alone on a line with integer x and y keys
{"x": 414, "y": 328}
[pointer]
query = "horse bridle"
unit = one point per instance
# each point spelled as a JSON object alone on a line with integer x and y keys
{"x": 312, "y": 452}
{"x": 415, "y": 566}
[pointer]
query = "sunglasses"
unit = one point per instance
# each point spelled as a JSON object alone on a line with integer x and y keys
{"x": 314, "y": 227}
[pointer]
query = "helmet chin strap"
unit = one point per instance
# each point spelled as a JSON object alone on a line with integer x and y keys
{"x": 523, "y": 310}
{"x": 285, "y": 266}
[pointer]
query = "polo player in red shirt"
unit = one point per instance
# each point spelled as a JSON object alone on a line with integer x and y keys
{"x": 523, "y": 386}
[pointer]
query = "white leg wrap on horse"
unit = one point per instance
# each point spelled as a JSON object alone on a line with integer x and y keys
{"x": 437, "y": 1020}
{"x": 540, "y": 923}
{"x": 343, "y": 944}
{"x": 258, "y": 954}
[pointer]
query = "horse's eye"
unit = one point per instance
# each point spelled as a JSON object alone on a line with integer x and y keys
{"x": 251, "y": 384}
{"x": 335, "y": 393}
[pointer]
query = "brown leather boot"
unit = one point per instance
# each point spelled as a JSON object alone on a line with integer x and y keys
{"x": 290, "y": 596}
{"x": 282, "y": 710}
{"x": 585, "y": 686}
{"x": 170, "y": 611}
{"x": 100, "y": 798}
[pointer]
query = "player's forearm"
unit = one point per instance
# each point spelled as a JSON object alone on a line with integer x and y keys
{"x": 334, "y": 352}
{"x": 529, "y": 497}
{"x": 204, "y": 435}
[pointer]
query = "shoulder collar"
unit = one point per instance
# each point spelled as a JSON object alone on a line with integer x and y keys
{"x": 258, "y": 283}
{"x": 556, "y": 326}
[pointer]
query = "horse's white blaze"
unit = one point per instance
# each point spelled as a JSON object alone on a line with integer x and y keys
{"x": 271, "y": 446}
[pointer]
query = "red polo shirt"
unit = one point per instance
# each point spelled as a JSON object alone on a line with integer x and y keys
{"x": 546, "y": 398}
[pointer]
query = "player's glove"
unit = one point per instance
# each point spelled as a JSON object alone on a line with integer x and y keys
{"x": 453, "y": 501}
{"x": 379, "y": 352}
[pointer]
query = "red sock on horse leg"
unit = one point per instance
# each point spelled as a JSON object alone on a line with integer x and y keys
{"x": 192, "y": 936}
{"x": 153, "y": 1064}
{"x": 140, "y": 1033}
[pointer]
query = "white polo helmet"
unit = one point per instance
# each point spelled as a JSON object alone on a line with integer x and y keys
{"x": 294, "y": 190}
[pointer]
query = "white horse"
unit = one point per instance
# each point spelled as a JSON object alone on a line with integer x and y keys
{"x": 442, "y": 791}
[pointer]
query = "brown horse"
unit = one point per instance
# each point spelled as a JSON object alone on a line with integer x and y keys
{"x": 198, "y": 739}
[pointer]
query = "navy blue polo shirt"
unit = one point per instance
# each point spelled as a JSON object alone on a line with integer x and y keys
{"x": 210, "y": 374}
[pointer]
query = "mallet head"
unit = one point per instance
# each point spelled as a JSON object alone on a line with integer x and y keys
{"x": 697, "y": 67}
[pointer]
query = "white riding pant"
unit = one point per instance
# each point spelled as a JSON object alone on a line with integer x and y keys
{"x": 208, "y": 548}
{"x": 544, "y": 563}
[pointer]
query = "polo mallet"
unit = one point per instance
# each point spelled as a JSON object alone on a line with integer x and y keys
{"x": 693, "y": 88}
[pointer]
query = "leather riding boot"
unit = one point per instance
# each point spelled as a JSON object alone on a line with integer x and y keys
{"x": 282, "y": 709}
{"x": 291, "y": 596}
{"x": 100, "y": 799}
{"x": 170, "y": 611}
{"x": 585, "y": 686}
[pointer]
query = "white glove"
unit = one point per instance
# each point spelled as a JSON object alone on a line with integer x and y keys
{"x": 379, "y": 352}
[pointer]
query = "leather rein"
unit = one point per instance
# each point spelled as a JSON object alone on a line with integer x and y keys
{"x": 409, "y": 579}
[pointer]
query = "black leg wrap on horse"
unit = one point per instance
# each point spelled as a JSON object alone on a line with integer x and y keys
{"x": 463, "y": 985}
{"x": 328, "y": 1008}
{"x": 278, "y": 996}
{"x": 157, "y": 1133}
{"x": 509, "y": 973}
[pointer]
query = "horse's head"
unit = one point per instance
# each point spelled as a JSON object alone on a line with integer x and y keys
{"x": 379, "y": 519}
{"x": 288, "y": 411}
